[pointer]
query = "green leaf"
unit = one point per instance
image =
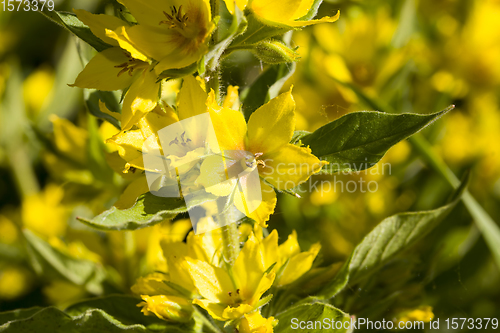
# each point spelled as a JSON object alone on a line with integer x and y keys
{"x": 147, "y": 211}
{"x": 51, "y": 262}
{"x": 92, "y": 98}
{"x": 123, "y": 308}
{"x": 290, "y": 319}
{"x": 77, "y": 27}
{"x": 18, "y": 314}
{"x": 266, "y": 87}
{"x": 390, "y": 238}
{"x": 359, "y": 140}
{"x": 488, "y": 227}
{"x": 393, "y": 236}
{"x": 338, "y": 283}
{"x": 52, "y": 320}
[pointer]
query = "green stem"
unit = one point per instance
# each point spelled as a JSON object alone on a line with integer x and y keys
{"x": 213, "y": 76}
{"x": 231, "y": 240}
{"x": 20, "y": 165}
{"x": 129, "y": 248}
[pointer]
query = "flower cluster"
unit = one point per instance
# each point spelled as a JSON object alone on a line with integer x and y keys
{"x": 168, "y": 40}
{"x": 196, "y": 273}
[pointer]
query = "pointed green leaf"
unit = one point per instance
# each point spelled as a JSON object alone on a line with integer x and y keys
{"x": 147, "y": 211}
{"x": 51, "y": 262}
{"x": 111, "y": 99}
{"x": 52, "y": 320}
{"x": 359, "y": 140}
{"x": 77, "y": 27}
{"x": 121, "y": 307}
{"x": 18, "y": 314}
{"x": 394, "y": 235}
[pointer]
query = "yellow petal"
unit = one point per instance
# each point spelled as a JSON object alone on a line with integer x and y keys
{"x": 132, "y": 192}
{"x": 290, "y": 166}
{"x": 271, "y": 126}
{"x": 266, "y": 208}
{"x": 156, "y": 120}
{"x": 248, "y": 269}
{"x": 289, "y": 248}
{"x": 279, "y": 11}
{"x": 213, "y": 177}
{"x": 270, "y": 249}
{"x": 141, "y": 98}
{"x": 298, "y": 265}
{"x": 231, "y": 312}
{"x": 240, "y": 3}
{"x": 167, "y": 307}
{"x": 192, "y": 99}
{"x": 212, "y": 282}
{"x": 156, "y": 42}
{"x": 178, "y": 271}
{"x": 229, "y": 125}
{"x": 206, "y": 247}
{"x": 129, "y": 144}
{"x": 98, "y": 23}
{"x": 232, "y": 98}
{"x": 101, "y": 73}
{"x": 70, "y": 139}
{"x": 121, "y": 36}
{"x": 255, "y": 323}
{"x": 148, "y": 12}
{"x": 214, "y": 309}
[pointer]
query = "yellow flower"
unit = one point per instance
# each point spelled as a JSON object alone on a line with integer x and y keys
{"x": 287, "y": 13}
{"x": 255, "y": 323}
{"x": 422, "y": 313}
{"x": 130, "y": 143}
{"x": 291, "y": 264}
{"x": 174, "y": 33}
{"x": 169, "y": 36}
{"x": 44, "y": 213}
{"x": 14, "y": 282}
{"x": 228, "y": 295}
{"x": 116, "y": 69}
{"x": 266, "y": 139}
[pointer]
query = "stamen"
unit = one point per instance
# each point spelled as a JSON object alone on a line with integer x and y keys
{"x": 175, "y": 19}
{"x": 129, "y": 66}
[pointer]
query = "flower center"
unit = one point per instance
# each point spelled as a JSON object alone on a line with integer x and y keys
{"x": 175, "y": 20}
{"x": 183, "y": 141}
{"x": 130, "y": 66}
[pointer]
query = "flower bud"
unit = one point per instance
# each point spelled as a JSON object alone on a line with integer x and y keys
{"x": 275, "y": 52}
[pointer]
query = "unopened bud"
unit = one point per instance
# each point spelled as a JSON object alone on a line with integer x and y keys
{"x": 275, "y": 52}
